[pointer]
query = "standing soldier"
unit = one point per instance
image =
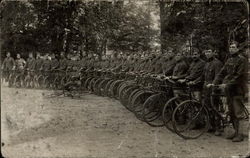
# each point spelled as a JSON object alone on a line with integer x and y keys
{"x": 31, "y": 62}
{"x": 20, "y": 63}
{"x": 180, "y": 68}
{"x": 46, "y": 67}
{"x": 54, "y": 62}
{"x": 39, "y": 62}
{"x": 169, "y": 63}
{"x": 62, "y": 62}
{"x": 212, "y": 67}
{"x": 7, "y": 66}
{"x": 233, "y": 77}
{"x": 195, "y": 73}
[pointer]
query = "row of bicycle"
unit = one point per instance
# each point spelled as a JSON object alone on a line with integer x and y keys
{"x": 154, "y": 99}
{"x": 157, "y": 100}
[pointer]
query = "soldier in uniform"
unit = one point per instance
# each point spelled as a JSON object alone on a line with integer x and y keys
{"x": 20, "y": 63}
{"x": 233, "y": 77}
{"x": 195, "y": 73}
{"x": 180, "y": 68}
{"x": 31, "y": 62}
{"x": 212, "y": 67}
{"x": 169, "y": 63}
{"x": 46, "y": 67}
{"x": 62, "y": 62}
{"x": 7, "y": 66}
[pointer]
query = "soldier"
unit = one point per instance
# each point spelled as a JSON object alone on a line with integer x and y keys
{"x": 116, "y": 64}
{"x": 195, "y": 73}
{"x": 233, "y": 77}
{"x": 7, "y": 66}
{"x": 212, "y": 67}
{"x": 46, "y": 64}
{"x": 54, "y": 62}
{"x": 31, "y": 62}
{"x": 105, "y": 62}
{"x": 20, "y": 63}
{"x": 62, "y": 62}
{"x": 169, "y": 63}
{"x": 39, "y": 62}
{"x": 180, "y": 68}
{"x": 83, "y": 60}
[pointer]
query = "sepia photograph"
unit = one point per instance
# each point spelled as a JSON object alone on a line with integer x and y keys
{"x": 124, "y": 78}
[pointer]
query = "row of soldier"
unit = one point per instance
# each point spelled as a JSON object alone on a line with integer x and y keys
{"x": 202, "y": 74}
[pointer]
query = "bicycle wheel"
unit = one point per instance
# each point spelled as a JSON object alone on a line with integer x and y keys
{"x": 130, "y": 98}
{"x": 138, "y": 101}
{"x": 102, "y": 86}
{"x": 168, "y": 110}
{"x": 190, "y": 119}
{"x": 91, "y": 83}
{"x": 116, "y": 88}
{"x": 122, "y": 86}
{"x": 11, "y": 80}
{"x": 46, "y": 82}
{"x": 152, "y": 109}
{"x": 18, "y": 82}
{"x": 40, "y": 80}
{"x": 107, "y": 88}
{"x": 95, "y": 86}
{"x": 125, "y": 96}
{"x": 86, "y": 83}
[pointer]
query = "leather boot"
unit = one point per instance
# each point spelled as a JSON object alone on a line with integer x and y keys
{"x": 239, "y": 137}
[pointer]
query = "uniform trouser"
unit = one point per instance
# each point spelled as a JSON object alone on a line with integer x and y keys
{"x": 236, "y": 109}
{"x": 212, "y": 102}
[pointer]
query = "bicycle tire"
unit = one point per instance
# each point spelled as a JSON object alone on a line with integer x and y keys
{"x": 197, "y": 111}
{"x": 151, "y": 110}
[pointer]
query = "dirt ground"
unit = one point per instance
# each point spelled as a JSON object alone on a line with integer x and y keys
{"x": 33, "y": 125}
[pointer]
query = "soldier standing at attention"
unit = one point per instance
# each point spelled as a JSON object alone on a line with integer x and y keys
{"x": 212, "y": 68}
{"x": 169, "y": 64}
{"x": 7, "y": 66}
{"x": 195, "y": 73}
{"x": 233, "y": 77}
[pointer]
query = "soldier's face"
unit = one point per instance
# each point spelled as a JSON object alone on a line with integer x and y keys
{"x": 209, "y": 54}
{"x": 83, "y": 54}
{"x": 178, "y": 57}
{"x": 196, "y": 55}
{"x": 171, "y": 54}
{"x": 8, "y": 55}
{"x": 31, "y": 55}
{"x": 18, "y": 56}
{"x": 233, "y": 49}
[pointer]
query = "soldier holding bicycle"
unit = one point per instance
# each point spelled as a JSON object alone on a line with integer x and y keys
{"x": 7, "y": 66}
{"x": 232, "y": 78}
{"x": 212, "y": 67}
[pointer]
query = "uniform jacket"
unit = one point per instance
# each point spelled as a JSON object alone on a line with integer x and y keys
{"x": 8, "y": 63}
{"x": 234, "y": 73}
{"x": 212, "y": 68}
{"x": 31, "y": 63}
{"x": 168, "y": 66}
{"x": 180, "y": 69}
{"x": 195, "y": 71}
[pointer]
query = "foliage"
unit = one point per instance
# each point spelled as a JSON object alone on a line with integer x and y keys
{"x": 206, "y": 23}
{"x": 70, "y": 26}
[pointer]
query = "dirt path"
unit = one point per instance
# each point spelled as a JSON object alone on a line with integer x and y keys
{"x": 92, "y": 126}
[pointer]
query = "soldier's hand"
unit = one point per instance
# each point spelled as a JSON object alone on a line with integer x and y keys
{"x": 190, "y": 83}
{"x": 167, "y": 77}
{"x": 174, "y": 77}
{"x": 223, "y": 86}
{"x": 182, "y": 80}
{"x": 209, "y": 85}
